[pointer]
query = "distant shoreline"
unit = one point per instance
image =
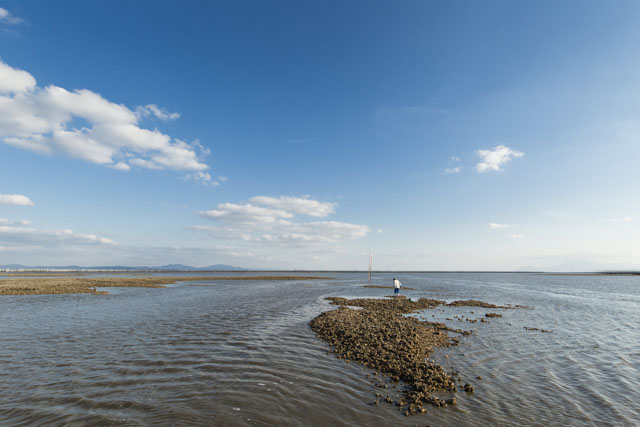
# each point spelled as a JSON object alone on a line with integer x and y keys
{"x": 62, "y": 271}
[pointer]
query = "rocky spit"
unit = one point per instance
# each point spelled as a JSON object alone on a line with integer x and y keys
{"x": 378, "y": 336}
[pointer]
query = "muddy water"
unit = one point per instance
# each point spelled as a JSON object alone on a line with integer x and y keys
{"x": 242, "y": 353}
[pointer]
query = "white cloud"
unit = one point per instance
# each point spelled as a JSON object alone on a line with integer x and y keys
{"x": 276, "y": 223}
{"x": 15, "y": 199}
{"x": 493, "y": 159}
{"x": 19, "y": 235}
{"x": 300, "y": 205}
{"x": 7, "y": 18}
{"x": 85, "y": 125}
{"x": 496, "y": 226}
{"x": 455, "y": 159}
{"x": 457, "y": 169}
{"x": 152, "y": 110}
{"x": 13, "y": 80}
{"x": 246, "y": 213}
{"x": 516, "y": 236}
{"x": 144, "y": 164}
{"x": 121, "y": 166}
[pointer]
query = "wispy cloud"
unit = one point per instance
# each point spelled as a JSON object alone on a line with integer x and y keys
{"x": 9, "y": 19}
{"x": 19, "y": 236}
{"x": 456, "y": 169}
{"x": 83, "y": 124}
{"x": 15, "y": 199}
{"x": 495, "y": 158}
{"x": 453, "y": 169}
{"x": 22, "y": 222}
{"x": 205, "y": 178}
{"x": 516, "y": 236}
{"x": 497, "y": 226}
{"x": 152, "y": 110}
{"x": 302, "y": 205}
{"x": 272, "y": 220}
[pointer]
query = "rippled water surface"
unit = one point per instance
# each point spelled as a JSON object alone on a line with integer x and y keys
{"x": 242, "y": 353}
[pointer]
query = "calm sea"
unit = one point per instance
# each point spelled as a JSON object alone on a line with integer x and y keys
{"x": 242, "y": 353}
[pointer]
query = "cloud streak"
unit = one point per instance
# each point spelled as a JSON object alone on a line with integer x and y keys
{"x": 82, "y": 124}
{"x": 19, "y": 236}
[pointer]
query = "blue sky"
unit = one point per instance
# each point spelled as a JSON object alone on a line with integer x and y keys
{"x": 438, "y": 135}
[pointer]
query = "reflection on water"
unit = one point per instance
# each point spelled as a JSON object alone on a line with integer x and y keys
{"x": 241, "y": 353}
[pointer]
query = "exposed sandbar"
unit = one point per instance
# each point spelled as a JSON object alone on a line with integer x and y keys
{"x": 88, "y": 285}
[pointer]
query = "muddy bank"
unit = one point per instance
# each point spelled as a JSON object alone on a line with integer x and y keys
{"x": 87, "y": 285}
{"x": 379, "y": 337}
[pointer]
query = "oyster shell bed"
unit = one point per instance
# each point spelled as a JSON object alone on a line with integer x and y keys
{"x": 378, "y": 336}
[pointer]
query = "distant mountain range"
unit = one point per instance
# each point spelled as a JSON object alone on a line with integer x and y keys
{"x": 168, "y": 267}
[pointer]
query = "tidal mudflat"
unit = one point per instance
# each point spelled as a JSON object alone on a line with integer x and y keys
{"x": 242, "y": 353}
{"x": 88, "y": 285}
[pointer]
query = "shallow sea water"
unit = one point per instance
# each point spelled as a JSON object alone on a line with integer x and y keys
{"x": 242, "y": 353}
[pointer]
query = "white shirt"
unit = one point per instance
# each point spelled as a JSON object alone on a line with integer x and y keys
{"x": 396, "y": 283}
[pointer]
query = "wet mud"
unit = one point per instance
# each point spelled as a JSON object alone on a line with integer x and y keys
{"x": 84, "y": 285}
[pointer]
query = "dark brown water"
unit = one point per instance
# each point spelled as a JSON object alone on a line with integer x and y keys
{"x": 241, "y": 353}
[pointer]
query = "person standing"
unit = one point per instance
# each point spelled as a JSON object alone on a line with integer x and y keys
{"x": 396, "y": 286}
